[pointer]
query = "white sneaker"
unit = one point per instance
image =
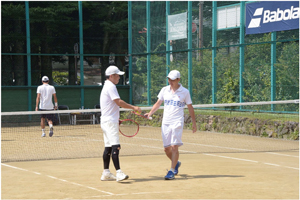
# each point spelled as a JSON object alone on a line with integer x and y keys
{"x": 108, "y": 177}
{"x": 51, "y": 132}
{"x": 44, "y": 135}
{"x": 121, "y": 176}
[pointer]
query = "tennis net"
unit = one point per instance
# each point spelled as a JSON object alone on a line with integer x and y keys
{"x": 238, "y": 127}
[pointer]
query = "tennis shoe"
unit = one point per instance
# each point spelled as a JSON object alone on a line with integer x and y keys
{"x": 170, "y": 175}
{"x": 121, "y": 176}
{"x": 176, "y": 167}
{"x": 51, "y": 132}
{"x": 43, "y": 134}
{"x": 108, "y": 177}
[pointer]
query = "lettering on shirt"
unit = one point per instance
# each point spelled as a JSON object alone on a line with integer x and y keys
{"x": 174, "y": 103}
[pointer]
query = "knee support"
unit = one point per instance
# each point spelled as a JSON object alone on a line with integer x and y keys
{"x": 106, "y": 157}
{"x": 116, "y": 149}
{"x": 115, "y": 156}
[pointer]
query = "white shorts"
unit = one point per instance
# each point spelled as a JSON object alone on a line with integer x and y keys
{"x": 110, "y": 133}
{"x": 171, "y": 134}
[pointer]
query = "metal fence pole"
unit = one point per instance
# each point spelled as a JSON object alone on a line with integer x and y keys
{"x": 81, "y": 52}
{"x": 214, "y": 51}
{"x": 130, "y": 50}
{"x": 242, "y": 41}
{"x": 190, "y": 62}
{"x": 167, "y": 42}
{"x": 273, "y": 72}
{"x": 148, "y": 53}
{"x": 28, "y": 54}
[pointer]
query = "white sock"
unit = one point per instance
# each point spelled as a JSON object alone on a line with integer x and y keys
{"x": 106, "y": 171}
{"x": 172, "y": 170}
{"x": 50, "y": 125}
{"x": 43, "y": 130}
{"x": 119, "y": 170}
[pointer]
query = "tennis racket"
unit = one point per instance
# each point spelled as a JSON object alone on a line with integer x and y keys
{"x": 128, "y": 127}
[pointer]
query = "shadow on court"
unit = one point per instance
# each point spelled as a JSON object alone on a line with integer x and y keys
{"x": 178, "y": 177}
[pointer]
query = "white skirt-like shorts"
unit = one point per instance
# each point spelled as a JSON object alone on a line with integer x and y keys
{"x": 110, "y": 133}
{"x": 171, "y": 134}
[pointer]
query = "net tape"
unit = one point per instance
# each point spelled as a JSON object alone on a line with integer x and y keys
{"x": 296, "y": 101}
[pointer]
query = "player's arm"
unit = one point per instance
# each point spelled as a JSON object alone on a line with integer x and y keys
{"x": 154, "y": 108}
{"x": 192, "y": 114}
{"x": 55, "y": 101}
{"x": 123, "y": 104}
{"x": 37, "y": 101}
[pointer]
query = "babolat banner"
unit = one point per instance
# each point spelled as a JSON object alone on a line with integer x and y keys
{"x": 269, "y": 16}
{"x": 177, "y": 26}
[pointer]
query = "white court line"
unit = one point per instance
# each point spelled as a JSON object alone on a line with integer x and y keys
{"x": 58, "y": 179}
{"x": 135, "y": 193}
{"x": 280, "y": 154}
{"x": 231, "y": 158}
{"x": 254, "y": 161}
{"x": 222, "y": 147}
{"x": 227, "y": 157}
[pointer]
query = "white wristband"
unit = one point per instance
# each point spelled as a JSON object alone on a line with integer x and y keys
{"x": 56, "y": 104}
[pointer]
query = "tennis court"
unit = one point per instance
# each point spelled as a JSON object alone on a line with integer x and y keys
{"x": 214, "y": 166}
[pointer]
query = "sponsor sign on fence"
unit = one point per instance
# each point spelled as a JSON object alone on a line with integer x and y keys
{"x": 177, "y": 26}
{"x": 269, "y": 16}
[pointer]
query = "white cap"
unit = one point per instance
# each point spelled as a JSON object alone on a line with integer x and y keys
{"x": 174, "y": 74}
{"x": 45, "y": 79}
{"x": 113, "y": 70}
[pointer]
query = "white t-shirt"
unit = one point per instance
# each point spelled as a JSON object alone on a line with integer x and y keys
{"x": 110, "y": 111}
{"x": 174, "y": 103}
{"x": 46, "y": 92}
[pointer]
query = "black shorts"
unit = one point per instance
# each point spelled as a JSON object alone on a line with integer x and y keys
{"x": 48, "y": 116}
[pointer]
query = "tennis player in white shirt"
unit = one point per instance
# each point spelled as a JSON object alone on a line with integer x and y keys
{"x": 110, "y": 102}
{"x": 44, "y": 103}
{"x": 174, "y": 97}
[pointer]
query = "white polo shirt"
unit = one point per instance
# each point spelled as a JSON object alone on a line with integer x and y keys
{"x": 46, "y": 92}
{"x": 174, "y": 103}
{"x": 110, "y": 111}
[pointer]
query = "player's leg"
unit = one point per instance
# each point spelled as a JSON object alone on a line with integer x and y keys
{"x": 43, "y": 125}
{"x": 166, "y": 137}
{"x": 114, "y": 140}
{"x": 50, "y": 118}
{"x": 176, "y": 143}
{"x": 107, "y": 175}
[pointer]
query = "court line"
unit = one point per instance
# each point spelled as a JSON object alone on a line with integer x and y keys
{"x": 214, "y": 146}
{"x": 222, "y": 147}
{"x": 280, "y": 154}
{"x": 227, "y": 157}
{"x": 254, "y": 161}
{"x": 63, "y": 180}
{"x": 136, "y": 193}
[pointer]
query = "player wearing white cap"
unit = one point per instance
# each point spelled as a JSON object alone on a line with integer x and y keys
{"x": 110, "y": 102}
{"x": 44, "y": 102}
{"x": 174, "y": 97}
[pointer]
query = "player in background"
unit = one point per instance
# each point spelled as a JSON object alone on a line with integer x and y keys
{"x": 175, "y": 97}
{"x": 110, "y": 102}
{"x": 44, "y": 97}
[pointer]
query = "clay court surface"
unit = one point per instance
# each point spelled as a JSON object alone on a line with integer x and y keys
{"x": 214, "y": 166}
